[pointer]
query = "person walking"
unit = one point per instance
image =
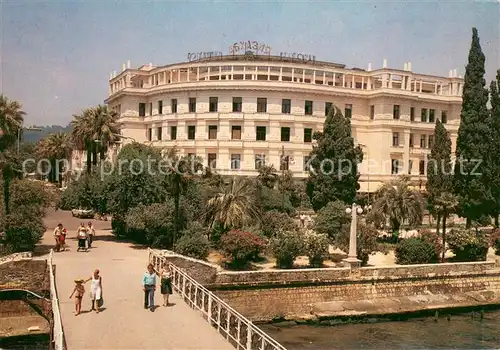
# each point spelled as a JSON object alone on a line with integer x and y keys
{"x": 90, "y": 234}
{"x": 96, "y": 290}
{"x": 78, "y": 292}
{"x": 82, "y": 237}
{"x": 58, "y": 231}
{"x": 166, "y": 283}
{"x": 149, "y": 286}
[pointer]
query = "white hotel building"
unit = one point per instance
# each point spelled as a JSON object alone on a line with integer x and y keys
{"x": 241, "y": 110}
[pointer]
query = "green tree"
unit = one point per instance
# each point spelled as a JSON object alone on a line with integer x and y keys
{"x": 57, "y": 148}
{"x": 331, "y": 219}
{"x": 398, "y": 203}
{"x": 473, "y": 141}
{"x": 493, "y": 160}
{"x": 440, "y": 196}
{"x": 334, "y": 164}
{"x": 268, "y": 176}
{"x": 235, "y": 207}
{"x": 152, "y": 224}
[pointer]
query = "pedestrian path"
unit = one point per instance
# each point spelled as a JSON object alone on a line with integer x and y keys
{"x": 123, "y": 322}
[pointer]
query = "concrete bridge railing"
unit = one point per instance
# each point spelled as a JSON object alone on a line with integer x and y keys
{"x": 236, "y": 328}
{"x": 57, "y": 329}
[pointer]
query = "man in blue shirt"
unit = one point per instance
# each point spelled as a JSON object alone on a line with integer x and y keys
{"x": 149, "y": 286}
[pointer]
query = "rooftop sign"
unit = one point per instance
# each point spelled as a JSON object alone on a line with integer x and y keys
{"x": 298, "y": 56}
{"x": 250, "y": 46}
{"x": 195, "y": 56}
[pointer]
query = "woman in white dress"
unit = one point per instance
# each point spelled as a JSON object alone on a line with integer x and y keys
{"x": 95, "y": 290}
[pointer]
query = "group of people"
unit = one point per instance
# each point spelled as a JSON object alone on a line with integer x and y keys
{"x": 149, "y": 286}
{"x": 95, "y": 292}
{"x": 85, "y": 235}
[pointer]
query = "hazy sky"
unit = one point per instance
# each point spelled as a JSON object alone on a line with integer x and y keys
{"x": 57, "y": 55}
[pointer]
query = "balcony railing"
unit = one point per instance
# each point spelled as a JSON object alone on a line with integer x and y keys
{"x": 236, "y": 328}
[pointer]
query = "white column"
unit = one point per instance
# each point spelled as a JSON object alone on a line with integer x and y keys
{"x": 403, "y": 82}
{"x": 324, "y": 78}
{"x": 232, "y": 72}
{"x": 170, "y": 76}
{"x": 303, "y": 75}
{"x": 369, "y": 84}
{"x": 178, "y": 75}
{"x": 281, "y": 74}
{"x": 343, "y": 80}
{"x": 198, "y": 74}
{"x": 220, "y": 73}
{"x": 334, "y": 78}
{"x": 208, "y": 74}
{"x": 188, "y": 71}
{"x": 269, "y": 73}
{"x": 362, "y": 83}
{"x": 420, "y": 90}
{"x": 313, "y": 81}
{"x": 435, "y": 88}
{"x": 353, "y": 83}
{"x": 256, "y": 71}
{"x": 390, "y": 81}
{"x": 244, "y": 71}
{"x": 293, "y": 74}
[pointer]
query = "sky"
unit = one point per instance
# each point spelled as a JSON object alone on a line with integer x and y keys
{"x": 56, "y": 56}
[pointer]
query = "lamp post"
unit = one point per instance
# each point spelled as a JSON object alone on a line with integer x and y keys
{"x": 352, "y": 260}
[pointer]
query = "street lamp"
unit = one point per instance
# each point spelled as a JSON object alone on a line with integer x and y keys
{"x": 352, "y": 260}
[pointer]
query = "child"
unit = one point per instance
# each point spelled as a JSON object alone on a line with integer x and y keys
{"x": 78, "y": 292}
{"x": 62, "y": 239}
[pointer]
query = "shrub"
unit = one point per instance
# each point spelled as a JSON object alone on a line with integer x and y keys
{"x": 241, "y": 246}
{"x": 331, "y": 219}
{"x": 495, "y": 240}
{"x": 432, "y": 238}
{"x": 366, "y": 243}
{"x": 24, "y": 229}
{"x": 286, "y": 246}
{"x": 468, "y": 244}
{"x": 415, "y": 251}
{"x": 193, "y": 243}
{"x": 151, "y": 224}
{"x": 316, "y": 247}
{"x": 275, "y": 221}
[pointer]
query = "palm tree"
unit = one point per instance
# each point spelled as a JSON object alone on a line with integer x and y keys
{"x": 235, "y": 207}
{"x": 11, "y": 120}
{"x": 268, "y": 176}
{"x": 181, "y": 174}
{"x": 94, "y": 131}
{"x": 56, "y": 147}
{"x": 445, "y": 204}
{"x": 399, "y": 203}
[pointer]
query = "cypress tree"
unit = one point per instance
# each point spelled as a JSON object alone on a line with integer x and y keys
{"x": 493, "y": 157}
{"x": 334, "y": 163}
{"x": 472, "y": 142}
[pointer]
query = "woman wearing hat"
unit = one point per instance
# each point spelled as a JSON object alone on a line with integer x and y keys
{"x": 78, "y": 292}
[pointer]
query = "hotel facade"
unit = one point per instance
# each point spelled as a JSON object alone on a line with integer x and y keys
{"x": 249, "y": 107}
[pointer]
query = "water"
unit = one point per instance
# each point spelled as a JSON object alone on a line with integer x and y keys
{"x": 460, "y": 332}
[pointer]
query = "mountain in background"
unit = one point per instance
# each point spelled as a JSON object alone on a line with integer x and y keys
{"x": 35, "y": 136}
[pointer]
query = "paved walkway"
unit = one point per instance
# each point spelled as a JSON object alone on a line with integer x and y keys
{"x": 123, "y": 323}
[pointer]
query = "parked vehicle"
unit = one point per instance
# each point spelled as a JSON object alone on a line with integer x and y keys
{"x": 83, "y": 213}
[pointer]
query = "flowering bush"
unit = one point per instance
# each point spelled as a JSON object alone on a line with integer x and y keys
{"x": 415, "y": 251}
{"x": 432, "y": 238}
{"x": 468, "y": 245}
{"x": 316, "y": 247}
{"x": 495, "y": 240}
{"x": 286, "y": 246}
{"x": 241, "y": 246}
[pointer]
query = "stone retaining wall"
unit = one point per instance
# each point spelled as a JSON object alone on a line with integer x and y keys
{"x": 202, "y": 271}
{"x": 16, "y": 257}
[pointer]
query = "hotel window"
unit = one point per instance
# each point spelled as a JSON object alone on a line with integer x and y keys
{"x": 423, "y": 115}
{"x": 191, "y": 132}
{"x": 192, "y": 105}
{"x": 372, "y": 112}
{"x": 395, "y": 139}
{"x": 444, "y": 117}
{"x": 260, "y": 161}
{"x": 235, "y": 161}
{"x": 308, "y": 108}
{"x": 159, "y": 131}
{"x": 150, "y": 108}
{"x": 150, "y": 134}
{"x": 142, "y": 109}
{"x": 348, "y": 111}
{"x": 174, "y": 105}
{"x": 213, "y": 104}
{"x": 394, "y": 166}
{"x": 237, "y": 104}
{"x": 410, "y": 165}
{"x": 395, "y": 112}
{"x": 411, "y": 140}
{"x": 286, "y": 106}
{"x": 432, "y": 114}
{"x": 160, "y": 107}
{"x": 173, "y": 133}
{"x": 421, "y": 167}
{"x": 212, "y": 132}
{"x": 212, "y": 160}
{"x": 261, "y": 105}
{"x": 306, "y": 161}
{"x": 412, "y": 114}
{"x": 285, "y": 134}
{"x": 260, "y": 133}
{"x": 431, "y": 141}
{"x": 308, "y": 134}
{"x": 328, "y": 107}
{"x": 236, "y": 132}
{"x": 284, "y": 162}
{"x": 423, "y": 141}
